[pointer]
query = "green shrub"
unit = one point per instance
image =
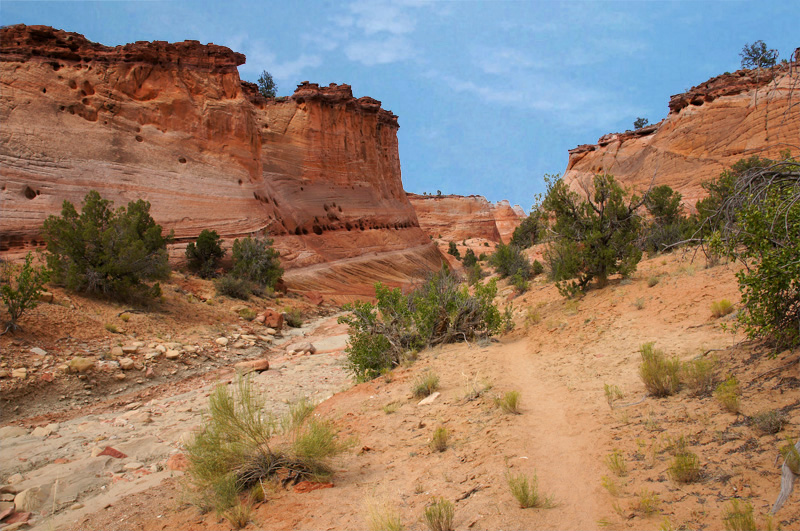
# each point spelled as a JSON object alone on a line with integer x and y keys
{"x": 469, "y": 258}
{"x": 530, "y": 231}
{"x": 757, "y": 55}
{"x": 519, "y": 282}
{"x": 616, "y": 463}
{"x": 439, "y": 311}
{"x": 652, "y": 281}
{"x": 204, "y": 255}
{"x": 685, "y": 468}
{"x": 791, "y": 455}
{"x": 383, "y": 517}
{"x": 648, "y": 502}
{"x": 439, "y": 515}
{"x": 453, "y": 250}
{"x": 613, "y": 393}
{"x": 526, "y": 491}
{"x": 255, "y": 260}
{"x": 247, "y": 314}
{"x": 537, "y": 268}
{"x": 20, "y": 289}
{"x": 661, "y": 376}
{"x": 107, "y": 252}
{"x": 238, "y": 288}
{"x": 752, "y": 214}
{"x": 474, "y": 274}
{"x": 721, "y": 308}
{"x": 425, "y": 384}
{"x": 727, "y": 393}
{"x": 510, "y": 261}
{"x": 596, "y": 233}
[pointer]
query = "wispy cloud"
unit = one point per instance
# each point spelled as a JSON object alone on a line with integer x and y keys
{"x": 379, "y": 51}
{"x": 260, "y": 57}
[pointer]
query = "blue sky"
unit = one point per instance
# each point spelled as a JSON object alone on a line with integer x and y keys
{"x": 490, "y": 95}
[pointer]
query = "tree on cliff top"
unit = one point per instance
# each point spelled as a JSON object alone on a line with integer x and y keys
{"x": 266, "y": 85}
{"x": 757, "y": 55}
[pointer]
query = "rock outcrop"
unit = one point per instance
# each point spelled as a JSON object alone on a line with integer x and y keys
{"x": 172, "y": 123}
{"x": 457, "y": 218}
{"x": 709, "y": 128}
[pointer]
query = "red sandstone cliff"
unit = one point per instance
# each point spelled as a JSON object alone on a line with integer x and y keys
{"x": 457, "y": 218}
{"x": 710, "y": 127}
{"x": 173, "y": 124}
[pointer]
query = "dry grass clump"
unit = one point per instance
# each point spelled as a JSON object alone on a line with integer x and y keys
{"x": 721, "y": 308}
{"x": 610, "y": 485}
{"x": 425, "y": 384}
{"x": 247, "y": 314}
{"x": 652, "y": 281}
{"x": 383, "y": 517}
{"x": 612, "y": 393}
{"x": 701, "y": 376}
{"x": 616, "y": 463}
{"x": 661, "y": 375}
{"x": 239, "y": 514}
{"x": 509, "y": 402}
{"x": 685, "y": 468}
{"x": 439, "y": 515}
{"x": 243, "y": 444}
{"x": 791, "y": 455}
{"x": 769, "y": 422}
{"x": 727, "y": 393}
{"x": 439, "y": 439}
{"x": 739, "y": 517}
{"x": 526, "y": 491}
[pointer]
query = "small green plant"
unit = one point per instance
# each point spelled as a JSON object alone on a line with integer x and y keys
{"x": 439, "y": 439}
{"x": 738, "y": 516}
{"x": 721, "y": 308}
{"x": 526, "y": 491}
{"x": 648, "y": 502}
{"x": 727, "y": 393}
{"x": 111, "y": 327}
{"x": 204, "y": 254}
{"x": 237, "y": 288}
{"x": 425, "y": 384}
{"x": 125, "y": 317}
{"x": 391, "y": 407}
{"x": 292, "y": 317}
{"x": 685, "y": 468}
{"x": 610, "y": 485}
{"x": 769, "y": 422}
{"x": 701, "y": 375}
{"x": 661, "y": 376}
{"x": 652, "y": 281}
{"x": 639, "y": 303}
{"x": 616, "y": 463}
{"x": 247, "y": 314}
{"x": 509, "y": 402}
{"x": 469, "y": 258}
{"x": 613, "y": 393}
{"x": 439, "y": 515}
{"x": 19, "y": 290}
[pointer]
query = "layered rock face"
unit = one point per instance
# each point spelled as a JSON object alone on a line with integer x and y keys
{"x": 709, "y": 128}
{"x": 173, "y": 124}
{"x": 457, "y": 218}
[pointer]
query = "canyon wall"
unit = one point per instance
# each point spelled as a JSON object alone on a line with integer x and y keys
{"x": 172, "y": 123}
{"x": 709, "y": 128}
{"x": 457, "y": 218}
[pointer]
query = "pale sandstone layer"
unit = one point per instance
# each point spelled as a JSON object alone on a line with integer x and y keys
{"x": 172, "y": 123}
{"x": 709, "y": 128}
{"x": 457, "y": 218}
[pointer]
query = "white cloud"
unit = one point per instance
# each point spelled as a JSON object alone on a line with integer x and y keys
{"x": 503, "y": 60}
{"x": 372, "y": 18}
{"x": 260, "y": 57}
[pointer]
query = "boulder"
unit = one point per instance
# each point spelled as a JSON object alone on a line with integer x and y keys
{"x": 126, "y": 364}
{"x": 38, "y": 351}
{"x": 7, "y": 432}
{"x": 30, "y": 500}
{"x": 272, "y": 319}
{"x": 252, "y": 365}
{"x": 20, "y": 373}
{"x": 45, "y": 296}
{"x": 177, "y": 462}
{"x": 221, "y": 341}
{"x": 172, "y": 354}
{"x": 81, "y": 364}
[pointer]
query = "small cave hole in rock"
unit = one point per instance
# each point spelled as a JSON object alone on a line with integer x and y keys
{"x": 301, "y": 188}
{"x": 240, "y": 182}
{"x": 72, "y": 84}
{"x": 182, "y": 160}
{"x": 85, "y": 101}
{"x": 297, "y": 231}
{"x": 305, "y": 231}
{"x": 317, "y": 230}
{"x": 61, "y": 108}
{"x": 29, "y": 192}
{"x": 44, "y": 90}
{"x": 139, "y": 139}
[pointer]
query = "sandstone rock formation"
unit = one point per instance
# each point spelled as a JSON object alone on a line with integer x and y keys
{"x": 457, "y": 218}
{"x": 709, "y": 128}
{"x": 173, "y": 124}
